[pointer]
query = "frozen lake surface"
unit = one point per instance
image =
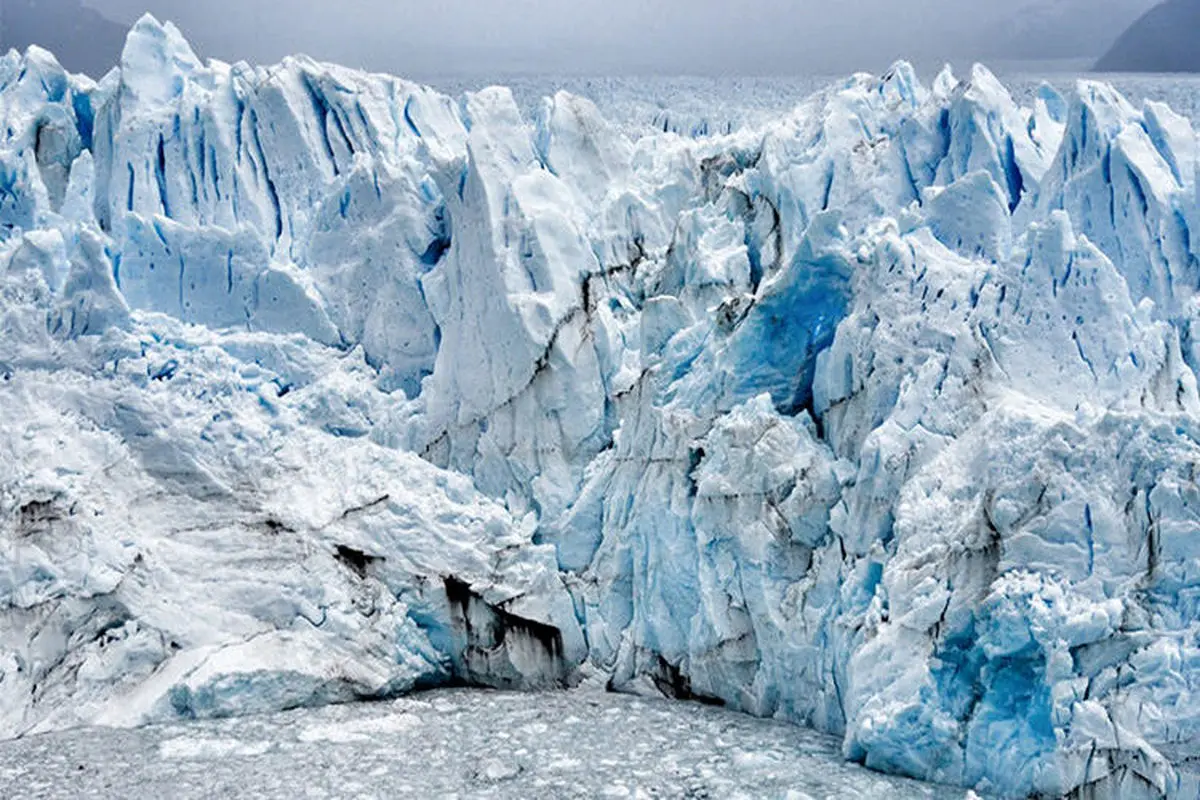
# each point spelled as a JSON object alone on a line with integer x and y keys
{"x": 456, "y": 743}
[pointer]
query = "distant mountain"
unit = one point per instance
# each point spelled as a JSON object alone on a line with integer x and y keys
{"x": 1163, "y": 40}
{"x": 83, "y": 39}
{"x": 1060, "y": 29}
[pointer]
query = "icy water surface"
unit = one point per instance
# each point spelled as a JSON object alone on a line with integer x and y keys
{"x": 453, "y": 744}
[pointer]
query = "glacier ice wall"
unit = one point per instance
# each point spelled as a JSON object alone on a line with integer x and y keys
{"x": 882, "y": 417}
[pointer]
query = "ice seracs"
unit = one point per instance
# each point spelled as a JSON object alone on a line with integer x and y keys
{"x": 881, "y": 417}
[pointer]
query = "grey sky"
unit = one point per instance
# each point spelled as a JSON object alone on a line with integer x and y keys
{"x": 424, "y": 38}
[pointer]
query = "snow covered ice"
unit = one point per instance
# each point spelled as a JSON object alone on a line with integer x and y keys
{"x": 879, "y": 417}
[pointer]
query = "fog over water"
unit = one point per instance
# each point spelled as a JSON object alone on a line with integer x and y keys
{"x": 665, "y": 37}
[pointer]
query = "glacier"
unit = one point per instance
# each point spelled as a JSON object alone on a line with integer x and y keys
{"x": 880, "y": 417}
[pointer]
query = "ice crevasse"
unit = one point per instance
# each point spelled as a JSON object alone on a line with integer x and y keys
{"x": 883, "y": 418}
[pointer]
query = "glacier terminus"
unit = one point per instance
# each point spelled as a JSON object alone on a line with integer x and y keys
{"x": 880, "y": 417}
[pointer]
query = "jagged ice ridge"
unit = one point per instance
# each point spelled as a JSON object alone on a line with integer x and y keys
{"x": 318, "y": 385}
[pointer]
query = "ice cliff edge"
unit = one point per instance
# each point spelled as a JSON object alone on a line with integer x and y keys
{"x": 883, "y": 418}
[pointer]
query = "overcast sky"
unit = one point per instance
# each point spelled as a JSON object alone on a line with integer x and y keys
{"x": 432, "y": 37}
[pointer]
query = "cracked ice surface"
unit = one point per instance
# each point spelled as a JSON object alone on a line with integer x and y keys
{"x": 454, "y": 744}
{"x": 879, "y": 417}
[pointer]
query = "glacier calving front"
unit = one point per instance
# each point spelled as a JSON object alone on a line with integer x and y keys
{"x": 318, "y": 385}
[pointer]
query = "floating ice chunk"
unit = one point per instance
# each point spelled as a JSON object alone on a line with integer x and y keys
{"x": 360, "y": 730}
{"x": 184, "y": 748}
